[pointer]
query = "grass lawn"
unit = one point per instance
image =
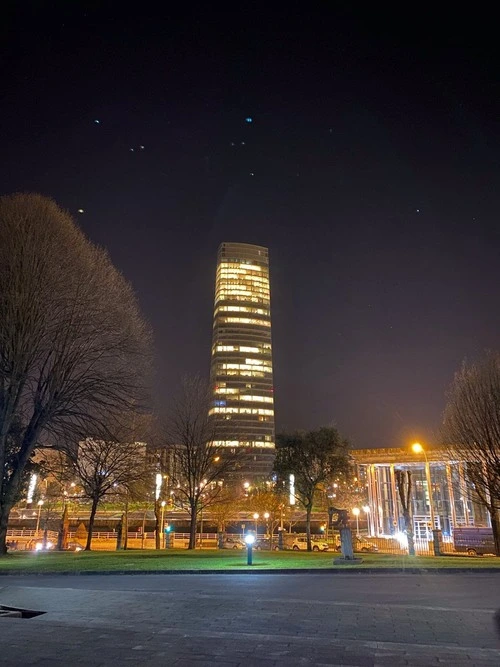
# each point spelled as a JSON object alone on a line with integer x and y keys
{"x": 181, "y": 559}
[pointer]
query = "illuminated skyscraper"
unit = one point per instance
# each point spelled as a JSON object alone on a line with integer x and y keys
{"x": 242, "y": 367}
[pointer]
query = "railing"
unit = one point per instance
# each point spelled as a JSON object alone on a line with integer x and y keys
{"x": 107, "y": 539}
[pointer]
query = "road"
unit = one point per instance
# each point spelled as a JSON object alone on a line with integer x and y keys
{"x": 263, "y": 620}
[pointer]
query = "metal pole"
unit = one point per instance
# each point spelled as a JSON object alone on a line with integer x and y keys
{"x": 249, "y": 554}
{"x": 38, "y": 520}
{"x": 429, "y": 492}
{"x": 451, "y": 496}
{"x": 163, "y": 525}
{"x": 435, "y": 543}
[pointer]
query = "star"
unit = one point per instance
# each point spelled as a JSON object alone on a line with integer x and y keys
{"x": 80, "y": 210}
{"x": 249, "y": 119}
{"x": 97, "y": 122}
{"x": 141, "y": 147}
{"x": 131, "y": 150}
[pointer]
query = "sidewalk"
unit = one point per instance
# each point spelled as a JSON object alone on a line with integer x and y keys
{"x": 265, "y": 621}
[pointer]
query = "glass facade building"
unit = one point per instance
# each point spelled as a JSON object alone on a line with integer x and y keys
{"x": 242, "y": 368}
{"x": 453, "y": 500}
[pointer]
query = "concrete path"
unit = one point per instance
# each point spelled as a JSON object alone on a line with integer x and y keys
{"x": 265, "y": 620}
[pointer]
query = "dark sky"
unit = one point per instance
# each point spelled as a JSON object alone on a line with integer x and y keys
{"x": 370, "y": 169}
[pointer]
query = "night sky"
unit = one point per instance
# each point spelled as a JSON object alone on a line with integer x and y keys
{"x": 365, "y": 157}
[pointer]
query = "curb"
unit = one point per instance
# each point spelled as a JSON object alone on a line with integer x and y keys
{"x": 253, "y": 572}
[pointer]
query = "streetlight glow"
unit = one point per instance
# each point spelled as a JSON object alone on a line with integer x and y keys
{"x": 417, "y": 448}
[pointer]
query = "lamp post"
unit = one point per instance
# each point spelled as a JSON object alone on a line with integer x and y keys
{"x": 366, "y": 510}
{"x": 256, "y": 519}
{"x": 249, "y": 539}
{"x": 40, "y": 503}
{"x": 418, "y": 449}
{"x": 163, "y": 503}
{"x": 355, "y": 511}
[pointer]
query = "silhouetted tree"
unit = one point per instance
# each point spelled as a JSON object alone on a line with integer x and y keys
{"x": 313, "y": 457}
{"x": 103, "y": 466}
{"x": 403, "y": 483}
{"x": 199, "y": 463}
{"x": 471, "y": 431}
{"x": 73, "y": 348}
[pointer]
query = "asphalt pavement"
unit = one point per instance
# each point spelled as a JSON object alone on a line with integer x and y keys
{"x": 265, "y": 620}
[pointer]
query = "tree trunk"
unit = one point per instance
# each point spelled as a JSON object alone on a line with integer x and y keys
{"x": 4, "y": 522}
{"x": 308, "y": 527}
{"x": 125, "y": 536}
{"x": 409, "y": 533}
{"x": 192, "y": 527}
{"x": 93, "y": 511}
{"x": 62, "y": 538}
{"x": 119, "y": 532}
{"x": 495, "y": 527}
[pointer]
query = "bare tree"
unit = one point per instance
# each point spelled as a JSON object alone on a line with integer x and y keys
{"x": 313, "y": 458}
{"x": 103, "y": 466}
{"x": 471, "y": 430}
{"x": 73, "y": 347}
{"x": 199, "y": 464}
{"x": 403, "y": 483}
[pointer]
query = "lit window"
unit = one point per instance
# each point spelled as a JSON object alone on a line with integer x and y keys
{"x": 245, "y": 320}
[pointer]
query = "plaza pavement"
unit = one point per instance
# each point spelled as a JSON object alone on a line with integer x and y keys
{"x": 252, "y": 620}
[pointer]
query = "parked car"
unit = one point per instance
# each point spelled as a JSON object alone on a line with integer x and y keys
{"x": 74, "y": 546}
{"x": 264, "y": 543}
{"x": 233, "y": 543}
{"x": 360, "y": 544}
{"x": 300, "y": 544}
{"x": 474, "y": 541}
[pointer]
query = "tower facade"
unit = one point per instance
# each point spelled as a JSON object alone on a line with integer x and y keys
{"x": 242, "y": 368}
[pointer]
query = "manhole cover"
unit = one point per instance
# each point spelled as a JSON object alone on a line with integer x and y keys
{"x": 16, "y": 612}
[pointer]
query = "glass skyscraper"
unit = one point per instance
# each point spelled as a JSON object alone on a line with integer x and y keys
{"x": 242, "y": 367}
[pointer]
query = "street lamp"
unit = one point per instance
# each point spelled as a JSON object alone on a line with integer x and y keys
{"x": 418, "y": 449}
{"x": 249, "y": 539}
{"x": 163, "y": 503}
{"x": 355, "y": 511}
{"x": 366, "y": 510}
{"x": 256, "y": 518}
{"x": 40, "y": 503}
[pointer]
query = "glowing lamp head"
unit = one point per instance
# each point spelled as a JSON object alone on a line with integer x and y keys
{"x": 256, "y": 516}
{"x": 417, "y": 448}
{"x": 355, "y": 511}
{"x": 366, "y": 509}
{"x": 249, "y": 539}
